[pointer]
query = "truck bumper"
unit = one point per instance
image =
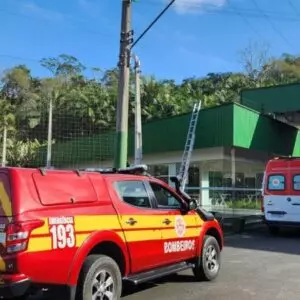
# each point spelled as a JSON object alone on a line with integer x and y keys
{"x": 282, "y": 224}
{"x": 11, "y": 288}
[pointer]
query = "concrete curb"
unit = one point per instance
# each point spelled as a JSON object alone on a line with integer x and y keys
{"x": 239, "y": 224}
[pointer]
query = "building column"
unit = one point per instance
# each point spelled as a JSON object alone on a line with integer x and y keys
{"x": 204, "y": 191}
{"x": 171, "y": 172}
{"x": 233, "y": 167}
{"x": 233, "y": 174}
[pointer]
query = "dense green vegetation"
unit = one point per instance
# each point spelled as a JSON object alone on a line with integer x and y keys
{"x": 85, "y": 106}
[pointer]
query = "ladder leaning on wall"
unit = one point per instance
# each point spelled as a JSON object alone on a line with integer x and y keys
{"x": 188, "y": 148}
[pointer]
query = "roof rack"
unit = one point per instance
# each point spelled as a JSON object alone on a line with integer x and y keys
{"x": 135, "y": 170}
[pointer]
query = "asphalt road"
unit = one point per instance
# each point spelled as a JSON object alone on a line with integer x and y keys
{"x": 255, "y": 266}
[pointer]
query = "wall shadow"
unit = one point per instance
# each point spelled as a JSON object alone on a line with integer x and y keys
{"x": 274, "y": 136}
{"x": 286, "y": 242}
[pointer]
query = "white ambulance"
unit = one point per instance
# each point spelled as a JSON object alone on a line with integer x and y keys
{"x": 281, "y": 193}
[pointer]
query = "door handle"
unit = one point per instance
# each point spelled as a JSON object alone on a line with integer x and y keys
{"x": 131, "y": 221}
{"x": 167, "y": 221}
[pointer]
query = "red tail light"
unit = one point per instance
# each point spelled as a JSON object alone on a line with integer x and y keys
{"x": 261, "y": 199}
{"x": 17, "y": 235}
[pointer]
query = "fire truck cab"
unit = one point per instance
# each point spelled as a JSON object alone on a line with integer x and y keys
{"x": 81, "y": 234}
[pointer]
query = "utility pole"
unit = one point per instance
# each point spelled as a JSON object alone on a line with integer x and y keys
{"x": 121, "y": 145}
{"x": 138, "y": 118}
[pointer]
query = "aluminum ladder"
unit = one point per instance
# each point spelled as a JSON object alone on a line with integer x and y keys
{"x": 189, "y": 145}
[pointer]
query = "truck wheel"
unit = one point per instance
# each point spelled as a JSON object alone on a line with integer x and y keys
{"x": 208, "y": 264}
{"x": 100, "y": 279}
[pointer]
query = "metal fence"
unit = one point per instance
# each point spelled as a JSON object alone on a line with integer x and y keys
{"x": 61, "y": 135}
{"x": 228, "y": 200}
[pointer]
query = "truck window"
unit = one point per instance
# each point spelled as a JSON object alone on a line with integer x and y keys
{"x": 133, "y": 193}
{"x": 276, "y": 182}
{"x": 164, "y": 198}
{"x": 5, "y": 196}
{"x": 296, "y": 182}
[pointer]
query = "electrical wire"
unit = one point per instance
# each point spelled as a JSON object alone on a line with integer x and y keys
{"x": 272, "y": 24}
{"x": 251, "y": 13}
{"x": 294, "y": 7}
{"x": 35, "y": 60}
{"x": 246, "y": 20}
{"x": 153, "y": 22}
{"x": 84, "y": 29}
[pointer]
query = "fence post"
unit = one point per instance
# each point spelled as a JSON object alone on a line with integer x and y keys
{"x": 49, "y": 146}
{"x": 4, "y": 146}
{"x": 233, "y": 177}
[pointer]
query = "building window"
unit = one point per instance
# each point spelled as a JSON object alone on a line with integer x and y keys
{"x": 194, "y": 176}
{"x": 159, "y": 171}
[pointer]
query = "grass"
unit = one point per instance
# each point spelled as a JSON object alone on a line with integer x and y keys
{"x": 244, "y": 204}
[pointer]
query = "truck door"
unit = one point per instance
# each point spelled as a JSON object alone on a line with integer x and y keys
{"x": 293, "y": 199}
{"x": 275, "y": 196}
{"x": 180, "y": 230}
{"x": 140, "y": 223}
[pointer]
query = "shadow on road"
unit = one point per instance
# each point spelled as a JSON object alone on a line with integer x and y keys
{"x": 130, "y": 289}
{"x": 287, "y": 241}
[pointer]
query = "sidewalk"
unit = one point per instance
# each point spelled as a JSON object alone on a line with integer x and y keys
{"x": 238, "y": 222}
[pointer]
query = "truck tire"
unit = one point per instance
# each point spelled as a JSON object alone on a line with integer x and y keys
{"x": 208, "y": 265}
{"x": 100, "y": 275}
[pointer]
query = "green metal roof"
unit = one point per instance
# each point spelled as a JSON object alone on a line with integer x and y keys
{"x": 214, "y": 129}
{"x": 227, "y": 125}
{"x": 259, "y": 132}
{"x": 280, "y": 98}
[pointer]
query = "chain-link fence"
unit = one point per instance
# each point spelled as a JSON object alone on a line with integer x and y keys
{"x": 57, "y": 134}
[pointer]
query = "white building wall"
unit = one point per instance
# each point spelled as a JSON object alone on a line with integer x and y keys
{"x": 229, "y": 162}
{"x": 166, "y": 158}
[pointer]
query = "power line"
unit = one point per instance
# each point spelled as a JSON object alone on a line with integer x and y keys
{"x": 294, "y": 7}
{"x": 19, "y": 57}
{"x": 153, "y": 22}
{"x": 246, "y": 20}
{"x": 272, "y": 24}
{"x": 35, "y": 60}
{"x": 214, "y": 9}
{"x": 85, "y": 29}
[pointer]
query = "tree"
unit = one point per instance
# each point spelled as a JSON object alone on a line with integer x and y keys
{"x": 15, "y": 84}
{"x": 86, "y": 107}
{"x": 254, "y": 57}
{"x": 64, "y": 65}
